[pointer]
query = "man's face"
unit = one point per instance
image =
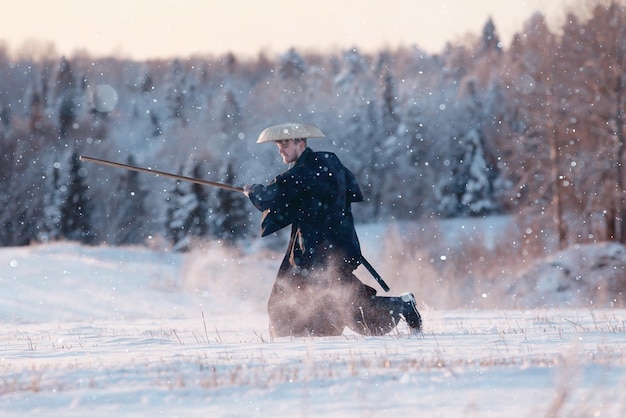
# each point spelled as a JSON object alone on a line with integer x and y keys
{"x": 290, "y": 149}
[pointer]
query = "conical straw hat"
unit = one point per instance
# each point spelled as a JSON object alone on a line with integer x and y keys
{"x": 289, "y": 131}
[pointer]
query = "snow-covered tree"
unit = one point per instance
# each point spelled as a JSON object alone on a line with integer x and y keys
{"x": 490, "y": 39}
{"x": 178, "y": 93}
{"x": 76, "y": 208}
{"x": 54, "y": 196}
{"x": 291, "y": 65}
{"x": 66, "y": 91}
{"x": 469, "y": 191}
{"x": 20, "y": 195}
{"x": 128, "y": 216}
{"x": 231, "y": 212}
{"x": 186, "y": 218}
{"x": 389, "y": 150}
{"x": 231, "y": 114}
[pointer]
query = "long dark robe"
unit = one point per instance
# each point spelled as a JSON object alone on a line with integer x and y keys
{"x": 316, "y": 292}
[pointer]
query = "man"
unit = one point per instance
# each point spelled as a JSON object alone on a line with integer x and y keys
{"x": 316, "y": 292}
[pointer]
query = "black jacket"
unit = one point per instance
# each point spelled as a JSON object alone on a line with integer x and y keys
{"x": 315, "y": 197}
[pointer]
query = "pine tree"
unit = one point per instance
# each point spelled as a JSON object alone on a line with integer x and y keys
{"x": 469, "y": 189}
{"x": 177, "y": 91}
{"x": 49, "y": 226}
{"x": 186, "y": 216}
{"x": 291, "y": 65}
{"x": 490, "y": 39}
{"x": 66, "y": 95}
{"x": 75, "y": 210}
{"x": 231, "y": 215}
{"x": 391, "y": 149}
{"x": 130, "y": 211}
{"x": 231, "y": 114}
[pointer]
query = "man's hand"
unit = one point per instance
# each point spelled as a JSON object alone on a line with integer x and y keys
{"x": 246, "y": 189}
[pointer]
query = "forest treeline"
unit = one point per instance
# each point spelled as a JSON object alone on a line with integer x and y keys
{"x": 535, "y": 129}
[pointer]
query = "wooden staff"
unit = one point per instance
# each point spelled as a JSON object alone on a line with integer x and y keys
{"x": 162, "y": 173}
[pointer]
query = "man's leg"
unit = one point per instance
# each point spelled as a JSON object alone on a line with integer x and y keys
{"x": 369, "y": 314}
{"x": 376, "y": 316}
{"x": 298, "y": 309}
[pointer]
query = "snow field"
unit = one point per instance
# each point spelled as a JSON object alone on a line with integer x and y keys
{"x": 467, "y": 363}
{"x": 135, "y": 332}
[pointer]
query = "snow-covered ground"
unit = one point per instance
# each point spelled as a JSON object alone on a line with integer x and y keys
{"x": 134, "y": 332}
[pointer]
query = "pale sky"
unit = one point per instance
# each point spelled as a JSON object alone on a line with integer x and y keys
{"x": 143, "y": 29}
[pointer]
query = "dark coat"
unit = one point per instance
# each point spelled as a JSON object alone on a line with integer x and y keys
{"x": 314, "y": 197}
{"x": 316, "y": 292}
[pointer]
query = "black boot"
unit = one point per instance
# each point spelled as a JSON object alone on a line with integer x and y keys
{"x": 410, "y": 313}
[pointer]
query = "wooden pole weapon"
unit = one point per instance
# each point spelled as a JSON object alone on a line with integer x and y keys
{"x": 162, "y": 173}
